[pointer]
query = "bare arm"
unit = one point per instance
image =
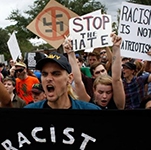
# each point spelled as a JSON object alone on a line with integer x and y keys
{"x": 118, "y": 89}
{"x": 79, "y": 85}
{"x": 109, "y": 62}
{"x": 5, "y": 100}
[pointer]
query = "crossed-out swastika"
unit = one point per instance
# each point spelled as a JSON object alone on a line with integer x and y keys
{"x": 50, "y": 23}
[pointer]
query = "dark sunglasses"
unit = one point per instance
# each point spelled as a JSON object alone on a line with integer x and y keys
{"x": 103, "y": 52}
{"x": 19, "y": 70}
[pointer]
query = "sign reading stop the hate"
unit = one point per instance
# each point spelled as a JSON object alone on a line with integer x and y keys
{"x": 90, "y": 31}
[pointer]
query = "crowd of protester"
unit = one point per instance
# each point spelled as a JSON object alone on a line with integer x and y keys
{"x": 101, "y": 79}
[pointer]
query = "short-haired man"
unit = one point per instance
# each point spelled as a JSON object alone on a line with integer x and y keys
{"x": 56, "y": 79}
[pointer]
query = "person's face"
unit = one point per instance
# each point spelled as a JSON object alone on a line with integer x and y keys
{"x": 55, "y": 81}
{"x": 148, "y": 105}
{"x": 127, "y": 72}
{"x": 103, "y": 94}
{"x": 92, "y": 59}
{"x": 12, "y": 63}
{"x": 20, "y": 72}
{"x": 9, "y": 86}
{"x": 38, "y": 96}
{"x": 99, "y": 70}
{"x": 103, "y": 55}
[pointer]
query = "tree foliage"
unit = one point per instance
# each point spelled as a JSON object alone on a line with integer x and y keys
{"x": 79, "y": 7}
{"x": 4, "y": 37}
{"x": 21, "y": 21}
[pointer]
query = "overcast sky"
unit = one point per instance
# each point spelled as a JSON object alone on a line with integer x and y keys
{"x": 8, "y": 5}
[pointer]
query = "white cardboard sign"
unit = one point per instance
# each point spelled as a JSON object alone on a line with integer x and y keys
{"x": 90, "y": 31}
{"x": 14, "y": 47}
{"x": 135, "y": 30}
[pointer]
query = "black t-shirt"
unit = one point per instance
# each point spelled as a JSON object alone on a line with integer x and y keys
{"x": 111, "y": 105}
{"x": 47, "y": 106}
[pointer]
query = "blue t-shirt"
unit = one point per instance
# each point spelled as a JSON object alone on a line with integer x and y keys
{"x": 76, "y": 104}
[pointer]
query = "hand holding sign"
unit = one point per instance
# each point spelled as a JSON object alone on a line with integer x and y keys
{"x": 116, "y": 39}
{"x": 149, "y": 52}
{"x": 67, "y": 46}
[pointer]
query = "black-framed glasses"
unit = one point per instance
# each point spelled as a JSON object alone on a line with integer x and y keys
{"x": 19, "y": 70}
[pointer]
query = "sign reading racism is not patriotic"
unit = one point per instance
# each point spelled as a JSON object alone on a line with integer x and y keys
{"x": 135, "y": 30}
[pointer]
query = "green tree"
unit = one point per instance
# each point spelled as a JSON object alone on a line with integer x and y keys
{"x": 4, "y": 37}
{"x": 23, "y": 35}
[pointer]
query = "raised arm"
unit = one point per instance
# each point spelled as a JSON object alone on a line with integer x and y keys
{"x": 5, "y": 100}
{"x": 118, "y": 89}
{"x": 79, "y": 85}
{"x": 109, "y": 62}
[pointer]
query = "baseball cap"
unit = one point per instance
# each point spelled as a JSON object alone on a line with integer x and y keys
{"x": 56, "y": 57}
{"x": 130, "y": 65}
{"x": 37, "y": 88}
{"x": 20, "y": 64}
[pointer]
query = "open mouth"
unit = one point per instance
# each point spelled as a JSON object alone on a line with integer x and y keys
{"x": 103, "y": 101}
{"x": 123, "y": 73}
{"x": 50, "y": 88}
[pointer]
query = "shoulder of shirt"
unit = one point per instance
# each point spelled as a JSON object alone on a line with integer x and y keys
{"x": 38, "y": 104}
{"x": 80, "y": 104}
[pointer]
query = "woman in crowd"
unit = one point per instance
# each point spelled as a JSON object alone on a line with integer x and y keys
{"x": 16, "y": 101}
{"x": 101, "y": 89}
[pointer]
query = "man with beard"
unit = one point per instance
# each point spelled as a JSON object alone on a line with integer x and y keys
{"x": 24, "y": 82}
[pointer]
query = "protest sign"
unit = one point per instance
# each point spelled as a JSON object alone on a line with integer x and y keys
{"x": 90, "y": 31}
{"x": 31, "y": 59}
{"x": 51, "y": 24}
{"x": 135, "y": 30}
{"x": 14, "y": 47}
{"x": 31, "y": 129}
